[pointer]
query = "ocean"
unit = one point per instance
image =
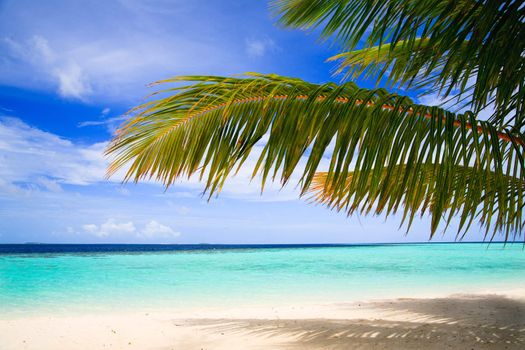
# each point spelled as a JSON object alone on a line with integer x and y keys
{"x": 55, "y": 278}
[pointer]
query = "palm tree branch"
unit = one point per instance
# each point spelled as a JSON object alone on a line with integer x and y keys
{"x": 501, "y": 135}
{"x": 210, "y": 126}
{"x": 469, "y": 195}
{"x": 465, "y": 41}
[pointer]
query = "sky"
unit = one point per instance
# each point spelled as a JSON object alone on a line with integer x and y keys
{"x": 70, "y": 69}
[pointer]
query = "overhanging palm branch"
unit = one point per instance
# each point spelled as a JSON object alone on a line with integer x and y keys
{"x": 209, "y": 128}
{"x": 470, "y": 193}
{"x": 472, "y": 47}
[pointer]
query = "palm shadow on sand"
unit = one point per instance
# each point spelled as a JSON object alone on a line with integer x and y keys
{"x": 462, "y": 322}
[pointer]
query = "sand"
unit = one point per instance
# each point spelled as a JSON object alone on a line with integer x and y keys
{"x": 454, "y": 322}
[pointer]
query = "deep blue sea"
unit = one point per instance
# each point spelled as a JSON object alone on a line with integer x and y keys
{"x": 42, "y": 277}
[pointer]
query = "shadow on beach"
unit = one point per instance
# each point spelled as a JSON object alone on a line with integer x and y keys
{"x": 462, "y": 322}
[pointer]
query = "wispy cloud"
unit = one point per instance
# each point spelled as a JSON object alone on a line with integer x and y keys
{"x": 30, "y": 154}
{"x": 36, "y": 52}
{"x": 40, "y": 160}
{"x": 111, "y": 124}
{"x": 102, "y": 57}
{"x": 455, "y": 102}
{"x": 46, "y": 176}
{"x": 259, "y": 47}
{"x": 451, "y": 104}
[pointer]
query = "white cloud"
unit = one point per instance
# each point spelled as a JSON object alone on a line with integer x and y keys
{"x": 259, "y": 47}
{"x": 434, "y": 99}
{"x": 431, "y": 100}
{"x": 42, "y": 49}
{"x": 49, "y": 184}
{"x": 90, "y": 228}
{"x": 40, "y": 177}
{"x": 155, "y": 229}
{"x": 72, "y": 81}
{"x": 449, "y": 103}
{"x": 44, "y": 161}
{"x": 110, "y": 227}
{"x": 111, "y": 124}
{"x": 36, "y": 52}
{"x": 30, "y": 155}
{"x": 92, "y": 123}
{"x": 98, "y": 59}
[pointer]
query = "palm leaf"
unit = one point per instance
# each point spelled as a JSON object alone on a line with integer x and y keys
{"x": 468, "y": 195}
{"x": 474, "y": 47}
{"x": 209, "y": 127}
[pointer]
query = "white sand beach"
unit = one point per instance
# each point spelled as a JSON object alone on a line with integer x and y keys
{"x": 454, "y": 322}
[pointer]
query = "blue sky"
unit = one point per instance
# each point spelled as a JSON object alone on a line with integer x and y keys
{"x": 70, "y": 69}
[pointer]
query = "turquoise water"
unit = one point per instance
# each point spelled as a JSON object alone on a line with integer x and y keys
{"x": 209, "y": 278}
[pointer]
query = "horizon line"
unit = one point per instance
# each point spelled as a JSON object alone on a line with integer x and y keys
{"x": 269, "y": 244}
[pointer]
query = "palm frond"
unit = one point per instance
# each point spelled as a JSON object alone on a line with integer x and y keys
{"x": 371, "y": 61}
{"x": 476, "y": 48}
{"x": 468, "y": 194}
{"x": 210, "y": 126}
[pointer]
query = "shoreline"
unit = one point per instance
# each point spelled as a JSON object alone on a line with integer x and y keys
{"x": 480, "y": 321}
{"x": 215, "y": 308}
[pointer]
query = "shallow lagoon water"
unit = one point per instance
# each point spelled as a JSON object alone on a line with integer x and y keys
{"x": 36, "y": 278}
